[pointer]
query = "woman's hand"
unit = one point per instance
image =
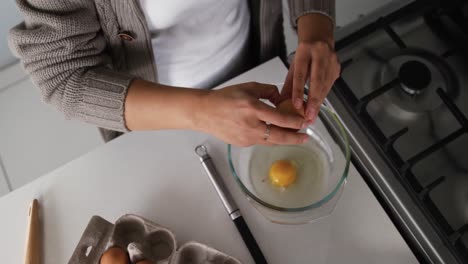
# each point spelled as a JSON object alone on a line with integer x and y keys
{"x": 236, "y": 115}
{"x": 316, "y": 61}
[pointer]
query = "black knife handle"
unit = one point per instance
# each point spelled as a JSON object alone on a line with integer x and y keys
{"x": 249, "y": 241}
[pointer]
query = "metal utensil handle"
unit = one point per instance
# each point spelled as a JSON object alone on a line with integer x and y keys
{"x": 217, "y": 182}
{"x": 249, "y": 241}
{"x": 229, "y": 204}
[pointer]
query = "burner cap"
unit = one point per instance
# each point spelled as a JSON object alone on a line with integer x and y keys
{"x": 420, "y": 73}
{"x": 414, "y": 77}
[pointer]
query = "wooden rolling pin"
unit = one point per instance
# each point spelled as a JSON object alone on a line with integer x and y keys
{"x": 32, "y": 253}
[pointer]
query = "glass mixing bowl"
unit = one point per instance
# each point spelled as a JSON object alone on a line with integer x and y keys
{"x": 322, "y": 168}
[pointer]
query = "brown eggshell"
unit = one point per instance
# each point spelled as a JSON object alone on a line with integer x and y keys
{"x": 287, "y": 107}
{"x": 115, "y": 255}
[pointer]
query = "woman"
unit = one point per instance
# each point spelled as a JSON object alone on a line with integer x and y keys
{"x": 115, "y": 63}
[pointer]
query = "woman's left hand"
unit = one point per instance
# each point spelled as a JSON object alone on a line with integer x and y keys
{"x": 315, "y": 60}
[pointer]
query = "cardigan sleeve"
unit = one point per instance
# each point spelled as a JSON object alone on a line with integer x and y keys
{"x": 61, "y": 46}
{"x": 298, "y": 8}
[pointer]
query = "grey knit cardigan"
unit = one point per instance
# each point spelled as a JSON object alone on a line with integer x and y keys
{"x": 83, "y": 54}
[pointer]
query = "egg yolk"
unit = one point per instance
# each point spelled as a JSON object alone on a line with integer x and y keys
{"x": 283, "y": 173}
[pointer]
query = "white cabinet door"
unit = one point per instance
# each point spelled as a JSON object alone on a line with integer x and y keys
{"x": 34, "y": 137}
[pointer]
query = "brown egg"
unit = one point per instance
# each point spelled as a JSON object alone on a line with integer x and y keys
{"x": 287, "y": 107}
{"x": 144, "y": 262}
{"x": 115, "y": 255}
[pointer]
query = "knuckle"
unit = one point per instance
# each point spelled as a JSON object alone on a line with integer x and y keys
{"x": 250, "y": 102}
{"x": 246, "y": 103}
{"x": 320, "y": 46}
{"x": 316, "y": 83}
{"x": 302, "y": 46}
{"x": 314, "y": 101}
{"x": 298, "y": 75}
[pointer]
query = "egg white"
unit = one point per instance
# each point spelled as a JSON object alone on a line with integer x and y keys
{"x": 311, "y": 181}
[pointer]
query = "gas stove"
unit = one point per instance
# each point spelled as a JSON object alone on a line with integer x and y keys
{"x": 403, "y": 97}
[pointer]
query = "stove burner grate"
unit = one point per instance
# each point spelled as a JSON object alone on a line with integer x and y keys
{"x": 413, "y": 78}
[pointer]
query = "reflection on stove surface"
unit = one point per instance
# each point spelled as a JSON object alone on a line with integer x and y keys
{"x": 413, "y": 86}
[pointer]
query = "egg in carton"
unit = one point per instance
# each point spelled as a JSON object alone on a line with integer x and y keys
{"x": 142, "y": 240}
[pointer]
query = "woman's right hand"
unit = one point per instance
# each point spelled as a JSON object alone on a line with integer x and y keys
{"x": 237, "y": 116}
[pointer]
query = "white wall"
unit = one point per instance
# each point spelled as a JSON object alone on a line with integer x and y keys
{"x": 9, "y": 17}
{"x": 35, "y": 138}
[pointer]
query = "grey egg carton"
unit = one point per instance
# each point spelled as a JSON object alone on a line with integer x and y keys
{"x": 142, "y": 239}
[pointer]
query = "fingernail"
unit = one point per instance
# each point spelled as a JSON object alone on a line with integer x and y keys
{"x": 311, "y": 114}
{"x": 305, "y": 124}
{"x": 298, "y": 103}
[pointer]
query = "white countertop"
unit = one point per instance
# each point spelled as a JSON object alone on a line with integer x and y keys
{"x": 158, "y": 176}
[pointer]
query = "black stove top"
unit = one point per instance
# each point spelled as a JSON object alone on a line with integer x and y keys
{"x": 405, "y": 80}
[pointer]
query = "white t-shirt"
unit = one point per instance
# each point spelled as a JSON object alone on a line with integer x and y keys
{"x": 196, "y": 42}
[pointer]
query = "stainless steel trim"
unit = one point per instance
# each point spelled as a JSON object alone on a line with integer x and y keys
{"x": 408, "y": 214}
{"x": 216, "y": 180}
{"x": 235, "y": 215}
